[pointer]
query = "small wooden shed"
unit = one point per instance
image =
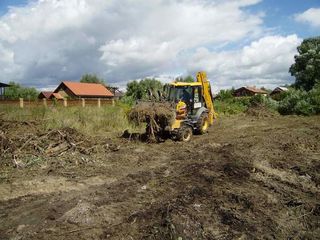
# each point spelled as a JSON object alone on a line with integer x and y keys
{"x": 3, "y": 87}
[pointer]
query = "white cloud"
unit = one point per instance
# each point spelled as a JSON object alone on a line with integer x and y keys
{"x": 50, "y": 40}
{"x": 311, "y": 16}
{"x": 264, "y": 62}
{"x": 8, "y": 67}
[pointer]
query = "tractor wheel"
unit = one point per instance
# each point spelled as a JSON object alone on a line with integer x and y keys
{"x": 184, "y": 134}
{"x": 202, "y": 124}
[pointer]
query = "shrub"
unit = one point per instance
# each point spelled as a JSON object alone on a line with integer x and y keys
{"x": 236, "y": 105}
{"x": 303, "y": 107}
{"x": 229, "y": 107}
{"x": 265, "y": 101}
{"x": 225, "y": 94}
{"x": 290, "y": 100}
{"x": 300, "y": 102}
{"x": 128, "y": 100}
{"x": 257, "y": 100}
{"x": 314, "y": 98}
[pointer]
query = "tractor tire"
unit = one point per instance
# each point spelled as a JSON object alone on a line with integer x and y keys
{"x": 203, "y": 124}
{"x": 184, "y": 134}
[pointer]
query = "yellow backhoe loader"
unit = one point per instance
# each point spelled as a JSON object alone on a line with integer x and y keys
{"x": 183, "y": 108}
{"x": 194, "y": 107}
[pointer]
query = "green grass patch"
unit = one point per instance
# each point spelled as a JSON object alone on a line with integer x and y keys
{"x": 88, "y": 120}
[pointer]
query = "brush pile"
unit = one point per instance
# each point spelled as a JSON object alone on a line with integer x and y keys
{"x": 145, "y": 111}
{"x": 157, "y": 115}
{"x": 22, "y": 142}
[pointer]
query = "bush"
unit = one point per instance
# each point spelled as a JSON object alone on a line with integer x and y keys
{"x": 260, "y": 100}
{"x": 15, "y": 91}
{"x": 289, "y": 102}
{"x": 314, "y": 98}
{"x": 257, "y": 100}
{"x": 229, "y": 107}
{"x": 234, "y": 105}
{"x": 225, "y": 94}
{"x": 128, "y": 100}
{"x": 301, "y": 102}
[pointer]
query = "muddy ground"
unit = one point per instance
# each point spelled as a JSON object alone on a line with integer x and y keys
{"x": 251, "y": 177}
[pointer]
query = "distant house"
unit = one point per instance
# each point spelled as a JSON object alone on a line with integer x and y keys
{"x": 278, "y": 90}
{"x": 45, "y": 95}
{"x": 82, "y": 90}
{"x": 118, "y": 94}
{"x": 248, "y": 91}
{"x": 3, "y": 87}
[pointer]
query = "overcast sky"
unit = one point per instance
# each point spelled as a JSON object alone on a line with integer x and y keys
{"x": 238, "y": 42}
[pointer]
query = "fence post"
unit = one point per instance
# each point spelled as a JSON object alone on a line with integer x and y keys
{"x": 65, "y": 102}
{"x": 44, "y": 102}
{"x": 21, "y": 102}
{"x": 83, "y": 102}
{"x": 113, "y": 103}
{"x": 99, "y": 102}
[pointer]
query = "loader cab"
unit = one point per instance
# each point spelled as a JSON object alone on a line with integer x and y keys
{"x": 189, "y": 93}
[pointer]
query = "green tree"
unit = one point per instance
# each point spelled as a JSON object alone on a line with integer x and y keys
{"x": 306, "y": 68}
{"x": 185, "y": 79}
{"x": 91, "y": 78}
{"x": 134, "y": 90}
{"x": 225, "y": 94}
{"x": 139, "y": 90}
{"x": 16, "y": 91}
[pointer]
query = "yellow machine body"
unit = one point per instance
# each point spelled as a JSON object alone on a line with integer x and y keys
{"x": 204, "y": 83}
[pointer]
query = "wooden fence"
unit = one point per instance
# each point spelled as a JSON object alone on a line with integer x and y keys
{"x": 81, "y": 102}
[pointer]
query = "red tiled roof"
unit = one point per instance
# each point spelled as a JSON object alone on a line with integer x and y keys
{"x": 46, "y": 94}
{"x": 88, "y": 89}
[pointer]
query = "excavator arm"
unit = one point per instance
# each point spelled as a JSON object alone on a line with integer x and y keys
{"x": 207, "y": 95}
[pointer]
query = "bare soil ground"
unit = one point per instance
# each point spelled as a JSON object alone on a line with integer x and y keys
{"x": 252, "y": 177}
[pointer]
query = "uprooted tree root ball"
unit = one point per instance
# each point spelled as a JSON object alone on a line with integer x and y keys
{"x": 144, "y": 111}
{"x": 156, "y": 114}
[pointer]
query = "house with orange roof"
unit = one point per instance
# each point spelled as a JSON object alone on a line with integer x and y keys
{"x": 73, "y": 90}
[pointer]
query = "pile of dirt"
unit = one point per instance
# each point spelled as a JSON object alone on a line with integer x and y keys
{"x": 260, "y": 111}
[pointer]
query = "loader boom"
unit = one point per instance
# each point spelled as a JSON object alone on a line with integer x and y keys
{"x": 207, "y": 95}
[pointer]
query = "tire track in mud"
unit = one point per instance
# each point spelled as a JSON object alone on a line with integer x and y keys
{"x": 210, "y": 188}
